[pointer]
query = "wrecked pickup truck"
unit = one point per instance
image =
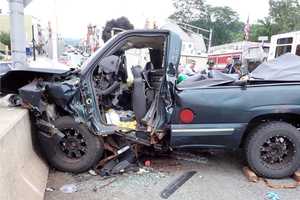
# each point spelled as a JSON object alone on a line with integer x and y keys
{"x": 89, "y": 116}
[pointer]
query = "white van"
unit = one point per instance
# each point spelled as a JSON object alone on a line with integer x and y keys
{"x": 284, "y": 43}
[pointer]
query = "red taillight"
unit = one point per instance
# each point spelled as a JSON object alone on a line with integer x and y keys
{"x": 186, "y": 116}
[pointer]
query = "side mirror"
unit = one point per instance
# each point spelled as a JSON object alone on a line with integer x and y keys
{"x": 109, "y": 64}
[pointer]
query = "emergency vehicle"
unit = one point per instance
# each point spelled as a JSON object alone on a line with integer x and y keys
{"x": 250, "y": 53}
{"x": 284, "y": 43}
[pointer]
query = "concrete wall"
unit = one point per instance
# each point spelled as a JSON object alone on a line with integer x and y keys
{"x": 23, "y": 175}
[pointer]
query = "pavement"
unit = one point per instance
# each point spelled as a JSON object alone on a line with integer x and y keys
{"x": 219, "y": 177}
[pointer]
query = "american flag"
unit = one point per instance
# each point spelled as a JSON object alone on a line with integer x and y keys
{"x": 247, "y": 30}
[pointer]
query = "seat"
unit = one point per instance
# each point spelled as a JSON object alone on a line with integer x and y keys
{"x": 138, "y": 93}
{"x": 145, "y": 73}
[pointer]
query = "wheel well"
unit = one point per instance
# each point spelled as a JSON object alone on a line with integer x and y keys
{"x": 290, "y": 118}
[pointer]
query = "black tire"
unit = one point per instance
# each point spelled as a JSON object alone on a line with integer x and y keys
{"x": 273, "y": 150}
{"x": 93, "y": 148}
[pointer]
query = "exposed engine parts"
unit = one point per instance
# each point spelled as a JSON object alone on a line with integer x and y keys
{"x": 110, "y": 110}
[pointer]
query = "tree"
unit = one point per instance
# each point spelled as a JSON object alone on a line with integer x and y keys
{"x": 223, "y": 20}
{"x": 122, "y": 23}
{"x": 5, "y": 39}
{"x": 264, "y": 27}
{"x": 225, "y": 24}
{"x": 188, "y": 10}
{"x": 286, "y": 14}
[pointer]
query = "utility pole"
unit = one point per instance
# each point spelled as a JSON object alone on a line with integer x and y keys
{"x": 17, "y": 32}
{"x": 33, "y": 43}
{"x": 54, "y": 33}
{"x": 209, "y": 39}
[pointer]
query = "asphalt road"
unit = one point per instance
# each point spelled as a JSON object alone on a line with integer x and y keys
{"x": 219, "y": 177}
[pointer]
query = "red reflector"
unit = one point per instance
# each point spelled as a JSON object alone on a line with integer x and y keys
{"x": 186, "y": 116}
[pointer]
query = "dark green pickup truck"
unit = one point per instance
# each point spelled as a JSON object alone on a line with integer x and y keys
{"x": 107, "y": 106}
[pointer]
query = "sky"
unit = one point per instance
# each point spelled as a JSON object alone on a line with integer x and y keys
{"x": 73, "y": 16}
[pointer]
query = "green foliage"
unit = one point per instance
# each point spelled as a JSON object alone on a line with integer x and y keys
{"x": 225, "y": 24}
{"x": 121, "y": 22}
{"x": 188, "y": 10}
{"x": 264, "y": 27}
{"x": 286, "y": 14}
{"x": 223, "y": 20}
{"x": 5, "y": 39}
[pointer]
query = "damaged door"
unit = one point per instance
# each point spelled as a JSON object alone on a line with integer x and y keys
{"x": 149, "y": 94}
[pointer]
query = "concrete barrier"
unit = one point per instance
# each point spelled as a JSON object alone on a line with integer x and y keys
{"x": 23, "y": 175}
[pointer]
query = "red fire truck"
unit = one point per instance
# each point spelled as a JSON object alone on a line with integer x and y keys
{"x": 250, "y": 53}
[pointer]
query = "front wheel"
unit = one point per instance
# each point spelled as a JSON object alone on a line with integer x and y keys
{"x": 77, "y": 151}
{"x": 273, "y": 149}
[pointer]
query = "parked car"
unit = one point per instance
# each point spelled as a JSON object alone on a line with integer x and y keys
{"x": 79, "y": 114}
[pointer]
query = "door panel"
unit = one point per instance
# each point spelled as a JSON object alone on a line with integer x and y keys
{"x": 213, "y": 105}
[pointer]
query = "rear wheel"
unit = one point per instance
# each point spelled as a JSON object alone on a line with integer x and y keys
{"x": 78, "y": 151}
{"x": 273, "y": 150}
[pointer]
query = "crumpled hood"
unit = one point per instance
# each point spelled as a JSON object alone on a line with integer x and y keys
{"x": 283, "y": 68}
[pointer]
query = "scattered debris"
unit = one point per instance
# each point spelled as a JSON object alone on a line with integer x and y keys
{"x": 250, "y": 175}
{"x": 280, "y": 186}
{"x": 297, "y": 176}
{"x": 177, "y": 183}
{"x": 49, "y": 189}
{"x": 120, "y": 167}
{"x": 10, "y": 100}
{"x": 95, "y": 189}
{"x": 122, "y": 150}
{"x": 82, "y": 177}
{"x": 125, "y": 160}
{"x": 272, "y": 196}
{"x": 142, "y": 171}
{"x": 147, "y": 163}
{"x": 69, "y": 188}
{"x": 189, "y": 157}
{"x": 92, "y": 172}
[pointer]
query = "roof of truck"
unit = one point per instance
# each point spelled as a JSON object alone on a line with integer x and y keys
{"x": 286, "y": 34}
